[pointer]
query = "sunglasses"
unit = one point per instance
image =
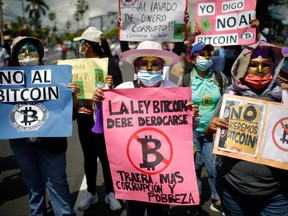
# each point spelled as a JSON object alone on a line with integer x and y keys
{"x": 148, "y": 63}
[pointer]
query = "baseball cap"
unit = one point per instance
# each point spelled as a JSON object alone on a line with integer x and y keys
{"x": 199, "y": 47}
{"x": 91, "y": 34}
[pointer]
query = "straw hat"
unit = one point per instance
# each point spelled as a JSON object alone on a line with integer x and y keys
{"x": 153, "y": 49}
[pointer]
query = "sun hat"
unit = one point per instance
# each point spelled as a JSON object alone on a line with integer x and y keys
{"x": 20, "y": 41}
{"x": 150, "y": 48}
{"x": 285, "y": 51}
{"x": 199, "y": 47}
{"x": 91, "y": 34}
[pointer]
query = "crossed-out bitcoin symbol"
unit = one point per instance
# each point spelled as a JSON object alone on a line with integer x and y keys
{"x": 146, "y": 150}
{"x": 279, "y": 127}
{"x": 149, "y": 150}
{"x": 30, "y": 116}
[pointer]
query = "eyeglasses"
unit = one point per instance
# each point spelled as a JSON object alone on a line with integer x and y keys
{"x": 260, "y": 65}
{"x": 28, "y": 49}
{"x": 149, "y": 63}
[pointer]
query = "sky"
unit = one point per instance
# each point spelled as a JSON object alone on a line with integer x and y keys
{"x": 65, "y": 10}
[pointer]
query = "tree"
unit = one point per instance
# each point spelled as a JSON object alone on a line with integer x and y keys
{"x": 35, "y": 8}
{"x": 68, "y": 25}
{"x": 81, "y": 7}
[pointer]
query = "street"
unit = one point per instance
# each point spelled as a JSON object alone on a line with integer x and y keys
{"x": 14, "y": 197}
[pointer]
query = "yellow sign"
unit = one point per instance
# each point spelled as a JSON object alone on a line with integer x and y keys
{"x": 257, "y": 131}
{"x": 87, "y": 72}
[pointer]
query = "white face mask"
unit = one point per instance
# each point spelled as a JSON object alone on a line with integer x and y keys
{"x": 81, "y": 53}
{"x": 29, "y": 61}
{"x": 149, "y": 78}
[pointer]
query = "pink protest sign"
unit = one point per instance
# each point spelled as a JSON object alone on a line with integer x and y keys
{"x": 226, "y": 23}
{"x": 148, "y": 134}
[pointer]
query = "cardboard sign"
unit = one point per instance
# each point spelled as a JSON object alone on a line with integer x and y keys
{"x": 257, "y": 132}
{"x": 148, "y": 134}
{"x": 35, "y": 101}
{"x": 161, "y": 20}
{"x": 225, "y": 22}
{"x": 87, "y": 72}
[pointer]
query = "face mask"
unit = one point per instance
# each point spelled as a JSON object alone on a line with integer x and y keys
{"x": 258, "y": 82}
{"x": 229, "y": 53}
{"x": 285, "y": 66}
{"x": 81, "y": 53}
{"x": 29, "y": 61}
{"x": 203, "y": 64}
{"x": 149, "y": 78}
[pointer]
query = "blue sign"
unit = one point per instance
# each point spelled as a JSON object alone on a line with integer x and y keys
{"x": 35, "y": 102}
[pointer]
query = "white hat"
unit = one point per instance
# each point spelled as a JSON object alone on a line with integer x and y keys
{"x": 91, "y": 34}
{"x": 153, "y": 49}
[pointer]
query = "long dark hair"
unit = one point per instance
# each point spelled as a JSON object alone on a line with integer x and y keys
{"x": 103, "y": 49}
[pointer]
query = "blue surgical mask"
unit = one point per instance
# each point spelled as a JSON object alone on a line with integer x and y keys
{"x": 285, "y": 66}
{"x": 149, "y": 78}
{"x": 229, "y": 53}
{"x": 203, "y": 64}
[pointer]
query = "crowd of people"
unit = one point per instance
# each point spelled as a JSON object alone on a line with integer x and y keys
{"x": 237, "y": 187}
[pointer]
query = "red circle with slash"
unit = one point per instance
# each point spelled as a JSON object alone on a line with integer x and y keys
{"x": 134, "y": 147}
{"x": 281, "y": 124}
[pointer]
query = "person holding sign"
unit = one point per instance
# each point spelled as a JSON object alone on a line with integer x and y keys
{"x": 38, "y": 157}
{"x": 148, "y": 59}
{"x": 93, "y": 44}
{"x": 206, "y": 90}
{"x": 248, "y": 188}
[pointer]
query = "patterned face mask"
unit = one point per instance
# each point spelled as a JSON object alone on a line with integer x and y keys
{"x": 29, "y": 61}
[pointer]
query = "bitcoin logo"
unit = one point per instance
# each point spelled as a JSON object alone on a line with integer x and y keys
{"x": 26, "y": 117}
{"x": 146, "y": 150}
{"x": 149, "y": 150}
{"x": 280, "y": 134}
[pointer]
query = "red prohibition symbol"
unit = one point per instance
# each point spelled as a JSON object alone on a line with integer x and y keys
{"x": 134, "y": 150}
{"x": 280, "y": 126}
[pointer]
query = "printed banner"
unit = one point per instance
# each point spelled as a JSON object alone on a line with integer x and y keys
{"x": 257, "y": 132}
{"x": 34, "y": 102}
{"x": 148, "y": 134}
{"x": 161, "y": 20}
{"x": 225, "y": 22}
{"x": 87, "y": 72}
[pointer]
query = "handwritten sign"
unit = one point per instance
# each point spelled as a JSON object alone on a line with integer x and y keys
{"x": 225, "y": 22}
{"x": 257, "y": 132}
{"x": 87, "y": 72}
{"x": 148, "y": 135}
{"x": 161, "y": 20}
{"x": 35, "y": 102}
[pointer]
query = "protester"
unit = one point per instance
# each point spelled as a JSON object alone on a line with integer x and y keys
{"x": 248, "y": 188}
{"x": 148, "y": 59}
{"x": 42, "y": 160}
{"x": 227, "y": 55}
{"x": 177, "y": 49}
{"x": 4, "y": 57}
{"x": 206, "y": 89}
{"x": 93, "y": 44}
